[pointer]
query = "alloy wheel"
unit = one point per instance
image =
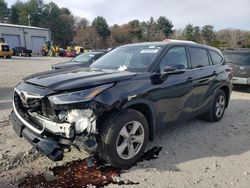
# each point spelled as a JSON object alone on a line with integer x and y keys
{"x": 130, "y": 140}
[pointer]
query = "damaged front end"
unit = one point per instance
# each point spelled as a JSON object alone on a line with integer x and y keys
{"x": 54, "y": 122}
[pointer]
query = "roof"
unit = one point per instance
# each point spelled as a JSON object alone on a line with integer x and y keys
{"x": 179, "y": 42}
{"x": 163, "y": 43}
{"x": 23, "y": 26}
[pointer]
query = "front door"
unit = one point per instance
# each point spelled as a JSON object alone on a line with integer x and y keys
{"x": 172, "y": 96}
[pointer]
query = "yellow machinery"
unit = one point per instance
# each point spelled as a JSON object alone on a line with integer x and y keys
{"x": 79, "y": 50}
{"x": 5, "y": 50}
{"x": 50, "y": 50}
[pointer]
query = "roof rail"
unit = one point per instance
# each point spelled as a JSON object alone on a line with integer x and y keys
{"x": 173, "y": 40}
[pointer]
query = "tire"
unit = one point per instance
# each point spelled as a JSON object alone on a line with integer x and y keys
{"x": 112, "y": 138}
{"x": 213, "y": 114}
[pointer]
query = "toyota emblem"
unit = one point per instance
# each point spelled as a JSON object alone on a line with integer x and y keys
{"x": 23, "y": 96}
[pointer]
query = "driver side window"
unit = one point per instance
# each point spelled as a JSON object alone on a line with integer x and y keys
{"x": 175, "y": 57}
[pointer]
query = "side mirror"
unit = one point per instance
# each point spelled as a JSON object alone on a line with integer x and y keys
{"x": 168, "y": 70}
{"x": 176, "y": 69}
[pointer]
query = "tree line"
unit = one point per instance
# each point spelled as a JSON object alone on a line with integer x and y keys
{"x": 68, "y": 29}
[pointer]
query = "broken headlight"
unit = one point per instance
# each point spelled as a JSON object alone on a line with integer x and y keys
{"x": 78, "y": 96}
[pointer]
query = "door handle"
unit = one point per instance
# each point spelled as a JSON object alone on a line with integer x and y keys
{"x": 190, "y": 79}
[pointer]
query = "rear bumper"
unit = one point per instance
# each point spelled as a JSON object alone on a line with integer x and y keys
{"x": 241, "y": 80}
{"x": 48, "y": 146}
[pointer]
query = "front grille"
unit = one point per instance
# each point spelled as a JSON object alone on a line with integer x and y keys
{"x": 23, "y": 108}
{"x": 29, "y": 103}
{"x": 40, "y": 106}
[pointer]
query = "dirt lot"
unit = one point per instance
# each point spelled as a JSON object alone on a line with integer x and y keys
{"x": 194, "y": 154}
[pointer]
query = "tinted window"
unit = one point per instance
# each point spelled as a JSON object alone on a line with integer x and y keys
{"x": 174, "y": 57}
{"x": 198, "y": 57}
{"x": 238, "y": 58}
{"x": 216, "y": 58}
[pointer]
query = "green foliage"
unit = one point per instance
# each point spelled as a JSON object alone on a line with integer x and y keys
{"x": 165, "y": 25}
{"x": 65, "y": 28}
{"x": 208, "y": 34}
{"x": 134, "y": 30}
{"x": 101, "y": 27}
{"x": 192, "y": 33}
{"x": 189, "y": 32}
{"x": 3, "y": 10}
{"x": 36, "y": 13}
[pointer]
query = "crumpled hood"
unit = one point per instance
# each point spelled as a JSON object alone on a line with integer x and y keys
{"x": 68, "y": 79}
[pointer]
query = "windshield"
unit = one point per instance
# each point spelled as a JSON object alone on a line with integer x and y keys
{"x": 83, "y": 58}
{"x": 131, "y": 58}
{"x": 238, "y": 58}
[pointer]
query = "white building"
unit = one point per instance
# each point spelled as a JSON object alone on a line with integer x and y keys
{"x": 32, "y": 38}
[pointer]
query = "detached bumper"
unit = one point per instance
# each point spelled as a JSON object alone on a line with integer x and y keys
{"x": 48, "y": 146}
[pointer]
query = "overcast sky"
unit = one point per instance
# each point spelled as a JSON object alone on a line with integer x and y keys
{"x": 220, "y": 13}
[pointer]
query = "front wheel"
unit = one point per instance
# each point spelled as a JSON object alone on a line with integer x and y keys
{"x": 123, "y": 138}
{"x": 218, "y": 107}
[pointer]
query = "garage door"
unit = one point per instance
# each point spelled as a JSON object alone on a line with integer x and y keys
{"x": 12, "y": 40}
{"x": 37, "y": 44}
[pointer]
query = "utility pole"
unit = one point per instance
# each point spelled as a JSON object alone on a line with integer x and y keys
{"x": 28, "y": 19}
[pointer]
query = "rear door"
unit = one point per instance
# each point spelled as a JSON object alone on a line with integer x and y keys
{"x": 202, "y": 76}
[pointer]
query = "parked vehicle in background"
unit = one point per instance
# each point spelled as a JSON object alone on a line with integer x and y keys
{"x": 71, "y": 53}
{"x": 82, "y": 60}
{"x": 114, "y": 107}
{"x": 61, "y": 52}
{"x": 22, "y": 51}
{"x": 79, "y": 50}
{"x": 5, "y": 50}
{"x": 239, "y": 60}
{"x": 49, "y": 49}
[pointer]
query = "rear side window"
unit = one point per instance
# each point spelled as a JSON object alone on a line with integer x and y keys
{"x": 198, "y": 57}
{"x": 216, "y": 58}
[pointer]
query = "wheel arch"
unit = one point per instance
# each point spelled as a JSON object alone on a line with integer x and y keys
{"x": 226, "y": 90}
{"x": 147, "y": 109}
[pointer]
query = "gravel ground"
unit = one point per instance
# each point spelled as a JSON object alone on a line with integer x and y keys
{"x": 194, "y": 154}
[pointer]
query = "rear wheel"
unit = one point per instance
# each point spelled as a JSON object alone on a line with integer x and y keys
{"x": 123, "y": 138}
{"x": 218, "y": 108}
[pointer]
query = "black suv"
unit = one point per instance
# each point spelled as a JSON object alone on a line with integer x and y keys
{"x": 21, "y": 51}
{"x": 114, "y": 107}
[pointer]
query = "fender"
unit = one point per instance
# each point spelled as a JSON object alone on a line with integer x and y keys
{"x": 152, "y": 118}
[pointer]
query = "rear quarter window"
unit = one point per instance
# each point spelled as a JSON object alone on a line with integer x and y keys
{"x": 199, "y": 57}
{"x": 216, "y": 58}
